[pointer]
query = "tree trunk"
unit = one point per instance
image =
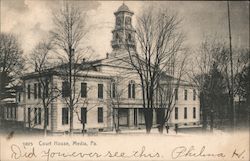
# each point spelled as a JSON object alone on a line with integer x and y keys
{"x": 204, "y": 112}
{"x": 83, "y": 128}
{"x": 161, "y": 128}
{"x": 211, "y": 121}
{"x": 113, "y": 117}
{"x": 162, "y": 120}
{"x": 45, "y": 122}
{"x": 118, "y": 121}
{"x": 148, "y": 115}
{"x": 71, "y": 121}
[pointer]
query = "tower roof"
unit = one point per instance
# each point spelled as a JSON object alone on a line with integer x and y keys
{"x": 123, "y": 8}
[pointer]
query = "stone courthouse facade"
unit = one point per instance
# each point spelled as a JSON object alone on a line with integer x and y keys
{"x": 109, "y": 92}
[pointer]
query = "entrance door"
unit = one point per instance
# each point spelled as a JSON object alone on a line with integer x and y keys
{"x": 160, "y": 115}
{"x": 123, "y": 116}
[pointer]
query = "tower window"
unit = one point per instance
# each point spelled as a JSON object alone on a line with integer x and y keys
{"x": 129, "y": 37}
{"x": 128, "y": 20}
{"x": 118, "y": 21}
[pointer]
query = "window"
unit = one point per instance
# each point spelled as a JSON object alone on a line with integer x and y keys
{"x": 185, "y": 94}
{"x": 113, "y": 90}
{"x": 9, "y": 112}
{"x": 28, "y": 91}
{"x": 185, "y": 112}
{"x": 35, "y": 91}
{"x": 194, "y": 94}
{"x": 176, "y": 113}
{"x": 135, "y": 116}
{"x": 84, "y": 90}
{"x": 29, "y": 114}
{"x": 46, "y": 89}
{"x": 83, "y": 115}
{"x": 39, "y": 90}
{"x": 100, "y": 114}
{"x": 37, "y": 114}
{"x": 65, "y": 89}
{"x": 176, "y": 94}
{"x": 14, "y": 112}
{"x": 47, "y": 116}
{"x": 100, "y": 91}
{"x": 131, "y": 89}
{"x": 65, "y": 116}
{"x": 19, "y": 96}
{"x": 194, "y": 112}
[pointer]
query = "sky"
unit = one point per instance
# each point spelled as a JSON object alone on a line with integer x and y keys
{"x": 31, "y": 20}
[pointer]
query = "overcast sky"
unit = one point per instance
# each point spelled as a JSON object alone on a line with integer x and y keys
{"x": 31, "y": 20}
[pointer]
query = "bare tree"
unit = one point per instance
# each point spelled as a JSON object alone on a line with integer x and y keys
{"x": 242, "y": 85}
{"x": 11, "y": 64}
{"x": 159, "y": 41}
{"x": 70, "y": 30}
{"x": 167, "y": 91}
{"x": 47, "y": 92}
{"x": 211, "y": 75}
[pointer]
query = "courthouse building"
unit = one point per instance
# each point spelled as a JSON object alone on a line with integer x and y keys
{"x": 107, "y": 88}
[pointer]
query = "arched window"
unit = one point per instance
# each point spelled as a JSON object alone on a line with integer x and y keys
{"x": 131, "y": 89}
{"x": 117, "y": 37}
{"x": 118, "y": 21}
{"x": 128, "y": 21}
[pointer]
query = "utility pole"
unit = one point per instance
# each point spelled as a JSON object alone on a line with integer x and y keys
{"x": 232, "y": 76}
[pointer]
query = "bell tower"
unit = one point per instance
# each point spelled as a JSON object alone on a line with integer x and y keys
{"x": 124, "y": 33}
